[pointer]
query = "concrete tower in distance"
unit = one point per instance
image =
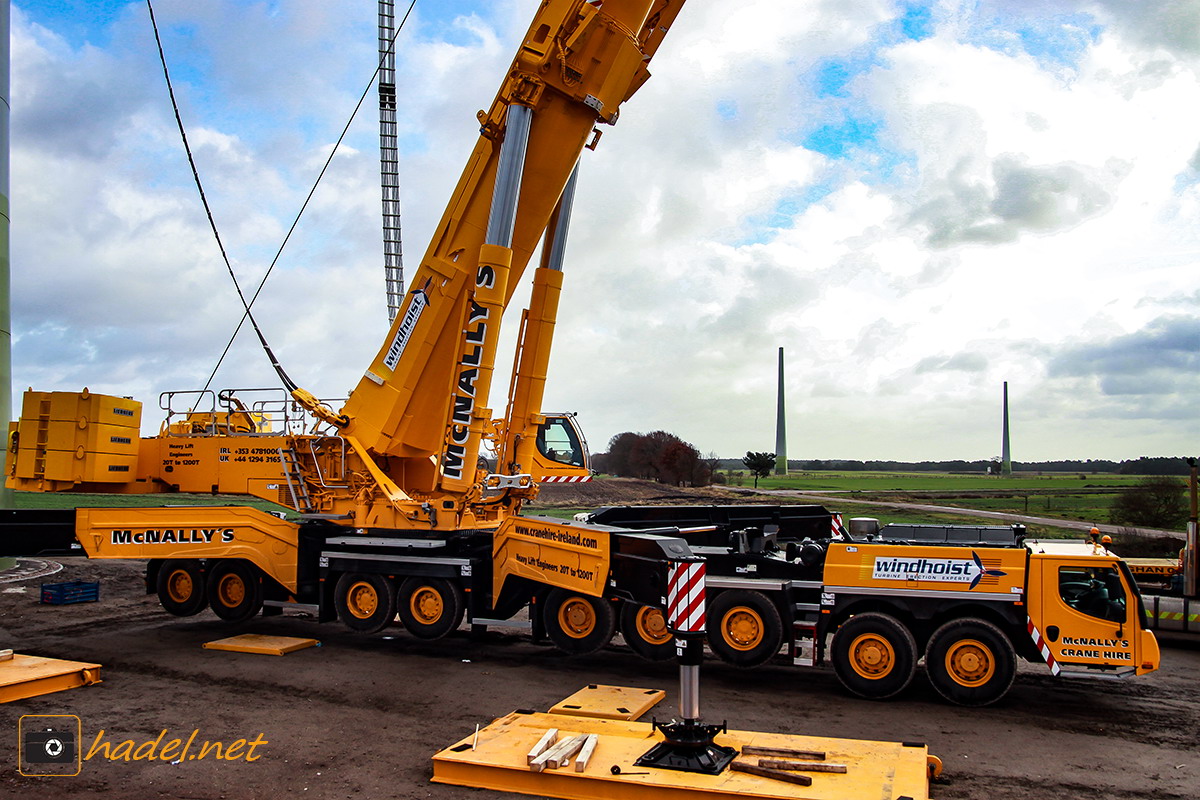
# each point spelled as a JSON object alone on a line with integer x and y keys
{"x": 780, "y": 428}
{"x": 1005, "y": 452}
{"x": 6, "y": 495}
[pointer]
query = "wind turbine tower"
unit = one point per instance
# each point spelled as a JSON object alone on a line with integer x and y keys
{"x": 1005, "y": 452}
{"x": 780, "y": 428}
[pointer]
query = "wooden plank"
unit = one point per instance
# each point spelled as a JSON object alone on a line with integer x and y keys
{"x": 548, "y": 738}
{"x": 585, "y": 753}
{"x": 777, "y": 774}
{"x": 572, "y": 747}
{"x": 781, "y": 752}
{"x": 550, "y": 757}
{"x": 802, "y": 766}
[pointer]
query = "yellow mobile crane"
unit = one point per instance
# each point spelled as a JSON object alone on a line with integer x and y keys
{"x": 395, "y": 514}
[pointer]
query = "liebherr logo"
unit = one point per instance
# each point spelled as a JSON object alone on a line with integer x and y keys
{"x": 173, "y": 536}
{"x": 468, "y": 373}
{"x": 947, "y": 570}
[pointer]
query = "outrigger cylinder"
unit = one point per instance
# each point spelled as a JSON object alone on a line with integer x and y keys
{"x": 688, "y": 745}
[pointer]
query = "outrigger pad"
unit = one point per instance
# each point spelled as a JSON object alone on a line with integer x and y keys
{"x": 262, "y": 645}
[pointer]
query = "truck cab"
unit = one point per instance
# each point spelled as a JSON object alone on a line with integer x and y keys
{"x": 1088, "y": 611}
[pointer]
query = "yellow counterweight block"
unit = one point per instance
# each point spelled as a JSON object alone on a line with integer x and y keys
{"x": 68, "y": 438}
{"x": 195, "y": 532}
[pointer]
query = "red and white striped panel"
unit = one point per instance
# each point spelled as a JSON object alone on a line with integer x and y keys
{"x": 836, "y": 527}
{"x": 1040, "y": 644}
{"x": 685, "y": 597}
{"x": 564, "y": 479}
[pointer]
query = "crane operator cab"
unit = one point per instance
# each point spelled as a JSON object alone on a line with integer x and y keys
{"x": 562, "y": 455}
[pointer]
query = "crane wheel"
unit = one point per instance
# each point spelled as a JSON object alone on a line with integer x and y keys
{"x": 235, "y": 591}
{"x": 365, "y": 602}
{"x": 576, "y": 623}
{"x": 645, "y": 631}
{"x": 744, "y": 628}
{"x": 181, "y": 587}
{"x": 430, "y": 608}
{"x": 970, "y": 662}
{"x": 874, "y": 655}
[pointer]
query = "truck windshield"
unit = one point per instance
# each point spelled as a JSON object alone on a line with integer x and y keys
{"x": 1141, "y": 606}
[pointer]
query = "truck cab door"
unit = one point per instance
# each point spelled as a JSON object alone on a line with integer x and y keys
{"x": 1087, "y": 614}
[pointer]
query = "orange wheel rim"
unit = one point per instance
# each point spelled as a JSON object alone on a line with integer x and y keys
{"x": 742, "y": 628}
{"x": 651, "y": 625}
{"x": 970, "y": 663}
{"x": 362, "y": 600}
{"x": 872, "y": 656}
{"x": 576, "y": 618}
{"x": 427, "y": 605}
{"x": 231, "y": 590}
{"x": 179, "y": 586}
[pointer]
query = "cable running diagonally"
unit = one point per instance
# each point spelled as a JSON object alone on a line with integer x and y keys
{"x": 246, "y": 315}
{"x": 287, "y": 382}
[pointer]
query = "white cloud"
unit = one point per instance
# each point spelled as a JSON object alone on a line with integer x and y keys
{"x": 1011, "y": 212}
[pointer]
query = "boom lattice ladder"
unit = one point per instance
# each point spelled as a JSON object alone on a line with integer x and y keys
{"x": 389, "y": 168}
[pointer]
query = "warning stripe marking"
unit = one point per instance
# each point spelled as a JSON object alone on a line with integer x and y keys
{"x": 564, "y": 479}
{"x": 836, "y": 528}
{"x": 685, "y": 597}
{"x": 1040, "y": 644}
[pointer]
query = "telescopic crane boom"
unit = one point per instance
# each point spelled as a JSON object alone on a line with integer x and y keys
{"x": 404, "y": 451}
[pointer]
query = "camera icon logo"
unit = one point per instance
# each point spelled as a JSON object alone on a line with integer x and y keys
{"x": 49, "y": 745}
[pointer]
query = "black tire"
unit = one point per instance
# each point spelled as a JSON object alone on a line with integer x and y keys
{"x": 181, "y": 588}
{"x": 744, "y": 628}
{"x": 645, "y": 631}
{"x": 235, "y": 591}
{"x": 430, "y": 608}
{"x": 365, "y": 602}
{"x": 970, "y": 662}
{"x": 576, "y": 623}
{"x": 874, "y": 655}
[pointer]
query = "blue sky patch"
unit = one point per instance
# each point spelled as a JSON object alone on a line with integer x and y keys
{"x": 1053, "y": 41}
{"x": 79, "y": 21}
{"x": 916, "y": 21}
{"x": 840, "y": 139}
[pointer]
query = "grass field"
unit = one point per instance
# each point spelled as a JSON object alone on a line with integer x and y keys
{"x": 938, "y": 481}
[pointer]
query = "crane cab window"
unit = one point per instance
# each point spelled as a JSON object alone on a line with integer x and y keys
{"x": 1095, "y": 591}
{"x": 558, "y": 441}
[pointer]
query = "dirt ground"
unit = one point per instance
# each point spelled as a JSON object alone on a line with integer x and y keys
{"x": 360, "y": 716}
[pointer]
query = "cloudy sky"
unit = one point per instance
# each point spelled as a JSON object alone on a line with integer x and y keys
{"x": 917, "y": 201}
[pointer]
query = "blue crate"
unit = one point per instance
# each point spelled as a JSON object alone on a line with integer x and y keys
{"x": 61, "y": 594}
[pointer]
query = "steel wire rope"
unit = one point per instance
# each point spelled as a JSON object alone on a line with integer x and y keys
{"x": 287, "y": 382}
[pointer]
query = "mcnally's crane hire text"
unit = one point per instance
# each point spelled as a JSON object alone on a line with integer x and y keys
{"x": 468, "y": 372}
{"x": 173, "y": 536}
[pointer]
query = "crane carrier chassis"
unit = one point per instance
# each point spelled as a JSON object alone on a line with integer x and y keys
{"x": 869, "y": 601}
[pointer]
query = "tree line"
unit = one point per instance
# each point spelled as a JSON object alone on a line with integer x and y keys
{"x": 1146, "y": 465}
